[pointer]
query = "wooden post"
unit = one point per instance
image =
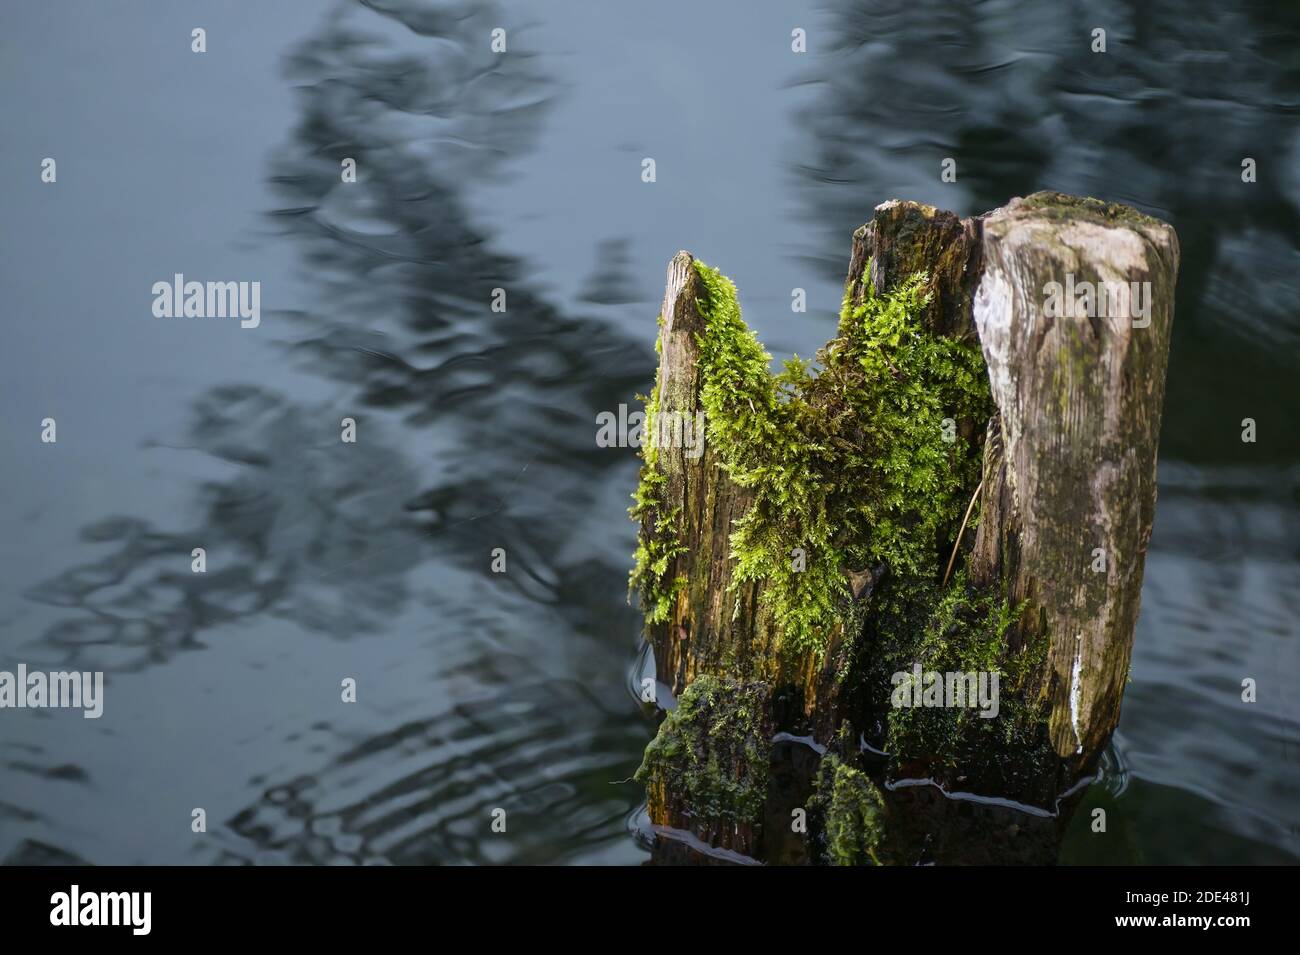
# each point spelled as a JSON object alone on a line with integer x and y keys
{"x": 1070, "y": 487}
{"x": 1042, "y": 501}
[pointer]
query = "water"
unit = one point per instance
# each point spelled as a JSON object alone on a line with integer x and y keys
{"x": 476, "y": 429}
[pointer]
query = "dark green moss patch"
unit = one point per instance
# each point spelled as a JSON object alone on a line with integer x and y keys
{"x": 713, "y": 752}
{"x": 851, "y": 813}
{"x": 959, "y": 629}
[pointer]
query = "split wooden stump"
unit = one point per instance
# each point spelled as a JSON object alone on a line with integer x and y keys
{"x": 935, "y": 519}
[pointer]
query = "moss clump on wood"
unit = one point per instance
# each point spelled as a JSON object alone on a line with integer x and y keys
{"x": 713, "y": 753}
{"x": 964, "y": 630}
{"x": 853, "y": 465}
{"x": 851, "y": 812}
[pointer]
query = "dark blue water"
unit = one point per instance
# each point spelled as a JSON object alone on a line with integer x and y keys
{"x": 476, "y": 429}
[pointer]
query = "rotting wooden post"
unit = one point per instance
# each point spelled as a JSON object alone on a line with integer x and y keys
{"x": 1064, "y": 510}
{"x": 1074, "y": 309}
{"x": 700, "y": 632}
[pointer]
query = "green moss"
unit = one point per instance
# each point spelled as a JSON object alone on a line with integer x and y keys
{"x": 852, "y": 814}
{"x": 959, "y": 630}
{"x": 849, "y": 464}
{"x": 713, "y": 751}
{"x": 660, "y": 541}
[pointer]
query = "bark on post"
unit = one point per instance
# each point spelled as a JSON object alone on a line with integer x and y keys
{"x": 1058, "y": 524}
